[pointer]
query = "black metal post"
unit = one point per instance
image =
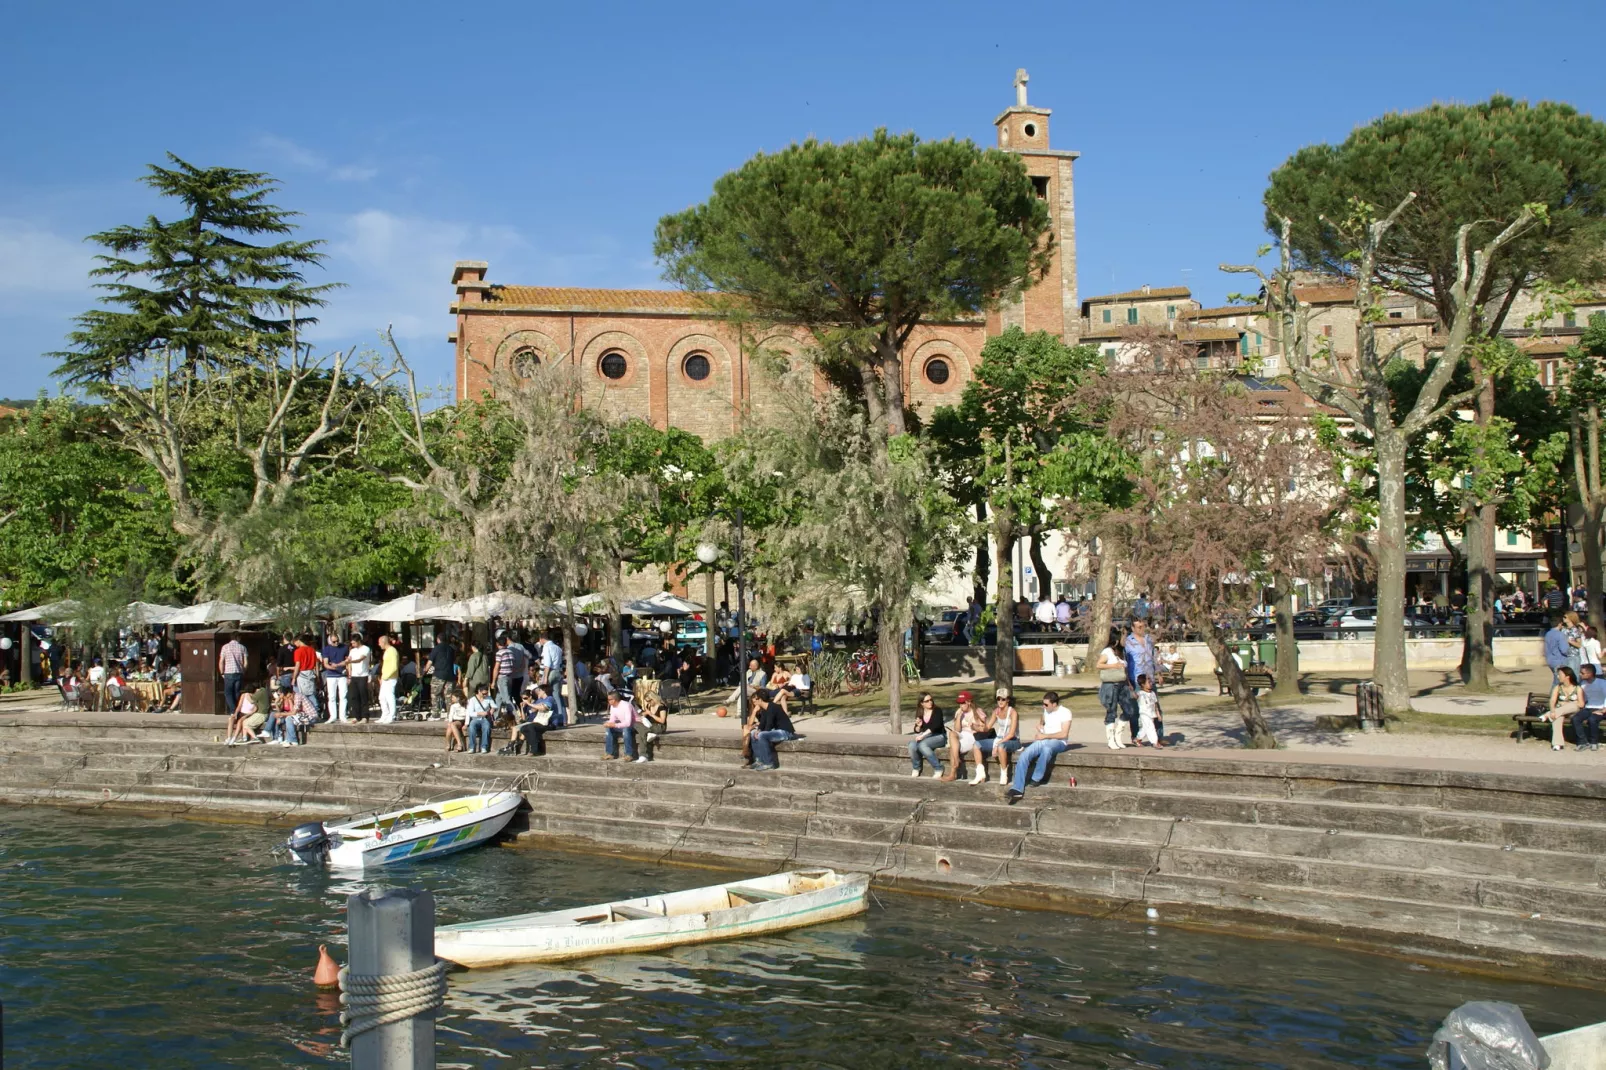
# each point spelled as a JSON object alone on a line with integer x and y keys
{"x": 741, "y": 617}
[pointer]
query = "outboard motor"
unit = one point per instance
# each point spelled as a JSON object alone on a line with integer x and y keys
{"x": 309, "y": 844}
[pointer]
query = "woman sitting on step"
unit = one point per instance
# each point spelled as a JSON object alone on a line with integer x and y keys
{"x": 457, "y": 722}
{"x": 1000, "y": 739}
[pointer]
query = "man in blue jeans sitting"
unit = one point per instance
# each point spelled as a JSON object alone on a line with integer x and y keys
{"x": 774, "y": 726}
{"x": 1036, "y": 762}
{"x": 1586, "y": 722}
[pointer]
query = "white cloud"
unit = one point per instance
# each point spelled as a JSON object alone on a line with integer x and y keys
{"x": 35, "y": 261}
{"x": 293, "y": 154}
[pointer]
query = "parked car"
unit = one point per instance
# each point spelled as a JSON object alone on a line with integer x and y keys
{"x": 1364, "y": 619}
{"x": 947, "y": 629}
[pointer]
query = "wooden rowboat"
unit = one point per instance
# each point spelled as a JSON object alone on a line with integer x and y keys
{"x": 751, "y": 907}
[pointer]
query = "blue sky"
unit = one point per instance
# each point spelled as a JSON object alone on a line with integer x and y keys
{"x": 549, "y": 139}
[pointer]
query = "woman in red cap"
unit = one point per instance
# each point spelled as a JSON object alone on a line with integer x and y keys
{"x": 968, "y": 720}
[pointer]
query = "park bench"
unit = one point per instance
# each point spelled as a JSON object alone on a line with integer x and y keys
{"x": 1532, "y": 716}
{"x": 1256, "y": 677}
{"x": 1176, "y": 674}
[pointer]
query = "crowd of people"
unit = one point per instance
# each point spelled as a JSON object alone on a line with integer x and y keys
{"x": 1577, "y": 686}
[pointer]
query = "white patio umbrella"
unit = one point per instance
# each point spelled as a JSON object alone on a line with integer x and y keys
{"x": 218, "y": 612}
{"x": 331, "y": 608}
{"x": 149, "y": 612}
{"x": 508, "y": 605}
{"x": 595, "y": 602}
{"x": 407, "y": 608}
{"x": 49, "y": 613}
{"x": 663, "y": 604}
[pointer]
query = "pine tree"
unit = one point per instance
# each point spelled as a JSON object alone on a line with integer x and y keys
{"x": 195, "y": 288}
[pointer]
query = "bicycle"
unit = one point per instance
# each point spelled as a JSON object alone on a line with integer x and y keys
{"x": 864, "y": 671}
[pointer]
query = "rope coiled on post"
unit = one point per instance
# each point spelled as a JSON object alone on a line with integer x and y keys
{"x": 373, "y": 1000}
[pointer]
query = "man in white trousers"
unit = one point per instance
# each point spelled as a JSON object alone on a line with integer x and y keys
{"x": 389, "y": 674}
{"x": 333, "y": 656}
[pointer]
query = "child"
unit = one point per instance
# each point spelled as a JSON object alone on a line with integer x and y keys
{"x": 456, "y": 721}
{"x": 1148, "y": 712}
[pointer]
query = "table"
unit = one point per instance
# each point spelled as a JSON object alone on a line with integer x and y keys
{"x": 149, "y": 691}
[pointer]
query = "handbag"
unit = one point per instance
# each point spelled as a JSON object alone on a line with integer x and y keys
{"x": 544, "y": 717}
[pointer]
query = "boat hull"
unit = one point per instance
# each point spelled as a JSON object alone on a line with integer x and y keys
{"x": 359, "y": 848}
{"x": 565, "y": 936}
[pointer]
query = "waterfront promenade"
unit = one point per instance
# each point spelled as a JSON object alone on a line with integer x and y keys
{"x": 1479, "y": 860}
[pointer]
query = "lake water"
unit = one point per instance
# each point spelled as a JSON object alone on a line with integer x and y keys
{"x": 148, "y": 943}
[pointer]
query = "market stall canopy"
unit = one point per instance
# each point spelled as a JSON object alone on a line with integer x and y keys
{"x": 331, "y": 608}
{"x": 506, "y": 605}
{"x": 662, "y": 604}
{"x": 407, "y": 608}
{"x": 49, "y": 613}
{"x": 596, "y": 602}
{"x": 149, "y": 612}
{"x": 216, "y": 612}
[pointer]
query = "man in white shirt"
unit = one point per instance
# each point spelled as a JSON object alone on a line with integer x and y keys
{"x": 1044, "y": 614}
{"x": 1036, "y": 762}
{"x": 552, "y": 678}
{"x": 359, "y": 667}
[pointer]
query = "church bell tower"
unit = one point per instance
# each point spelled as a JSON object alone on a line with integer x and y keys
{"x": 1051, "y": 304}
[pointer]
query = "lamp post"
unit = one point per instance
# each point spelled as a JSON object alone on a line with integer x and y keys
{"x": 708, "y": 553}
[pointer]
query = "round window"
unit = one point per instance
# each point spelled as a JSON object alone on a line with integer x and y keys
{"x": 697, "y": 367}
{"x": 525, "y": 361}
{"x": 937, "y": 371}
{"x": 614, "y": 365}
{"x": 1030, "y": 129}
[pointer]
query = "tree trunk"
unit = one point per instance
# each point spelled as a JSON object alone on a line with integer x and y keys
{"x": 1592, "y": 502}
{"x": 1045, "y": 585}
{"x": 1098, "y": 626}
{"x": 1477, "y": 644}
{"x": 1258, "y": 731}
{"x": 1388, "y": 651}
{"x": 984, "y": 563}
{"x": 892, "y": 627}
{"x": 1003, "y": 596}
{"x": 1287, "y": 668}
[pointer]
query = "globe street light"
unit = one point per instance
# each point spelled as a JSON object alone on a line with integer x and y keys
{"x": 708, "y": 553}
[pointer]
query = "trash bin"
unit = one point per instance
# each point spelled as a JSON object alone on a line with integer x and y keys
{"x": 1268, "y": 652}
{"x": 1369, "y": 705}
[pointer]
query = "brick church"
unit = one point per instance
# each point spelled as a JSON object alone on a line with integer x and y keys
{"x": 654, "y": 354}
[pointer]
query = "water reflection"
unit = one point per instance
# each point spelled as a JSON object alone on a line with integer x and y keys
{"x": 177, "y": 944}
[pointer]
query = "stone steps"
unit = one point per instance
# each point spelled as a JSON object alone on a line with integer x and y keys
{"x": 300, "y": 771}
{"x": 1428, "y": 860}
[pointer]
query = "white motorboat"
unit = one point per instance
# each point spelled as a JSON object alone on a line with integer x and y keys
{"x": 412, "y": 835}
{"x": 750, "y": 907}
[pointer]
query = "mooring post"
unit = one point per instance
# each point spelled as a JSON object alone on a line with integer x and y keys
{"x": 392, "y": 935}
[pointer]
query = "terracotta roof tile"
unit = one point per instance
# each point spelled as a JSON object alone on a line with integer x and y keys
{"x": 1155, "y": 293}
{"x": 1223, "y": 310}
{"x": 1342, "y": 293}
{"x": 576, "y": 299}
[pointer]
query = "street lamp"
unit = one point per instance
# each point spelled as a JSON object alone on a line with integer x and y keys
{"x": 708, "y": 554}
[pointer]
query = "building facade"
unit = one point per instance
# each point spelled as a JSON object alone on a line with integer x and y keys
{"x": 658, "y": 355}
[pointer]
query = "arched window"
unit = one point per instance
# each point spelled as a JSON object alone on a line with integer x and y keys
{"x": 697, "y": 367}
{"x": 525, "y": 360}
{"x": 614, "y": 364}
{"x": 938, "y": 371}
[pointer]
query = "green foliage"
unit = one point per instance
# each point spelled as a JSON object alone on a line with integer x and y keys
{"x": 1514, "y": 460}
{"x": 1017, "y": 437}
{"x": 1478, "y": 164}
{"x": 848, "y": 526}
{"x": 194, "y": 285}
{"x": 860, "y": 242}
{"x": 75, "y": 506}
{"x": 662, "y": 530}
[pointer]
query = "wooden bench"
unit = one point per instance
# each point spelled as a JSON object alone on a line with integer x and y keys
{"x": 1257, "y": 677}
{"x": 1533, "y": 716}
{"x": 1176, "y": 674}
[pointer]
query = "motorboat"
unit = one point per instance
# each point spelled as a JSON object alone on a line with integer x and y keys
{"x": 412, "y": 835}
{"x": 751, "y": 907}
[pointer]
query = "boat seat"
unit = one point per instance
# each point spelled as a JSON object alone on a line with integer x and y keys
{"x": 757, "y": 895}
{"x": 635, "y": 913}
